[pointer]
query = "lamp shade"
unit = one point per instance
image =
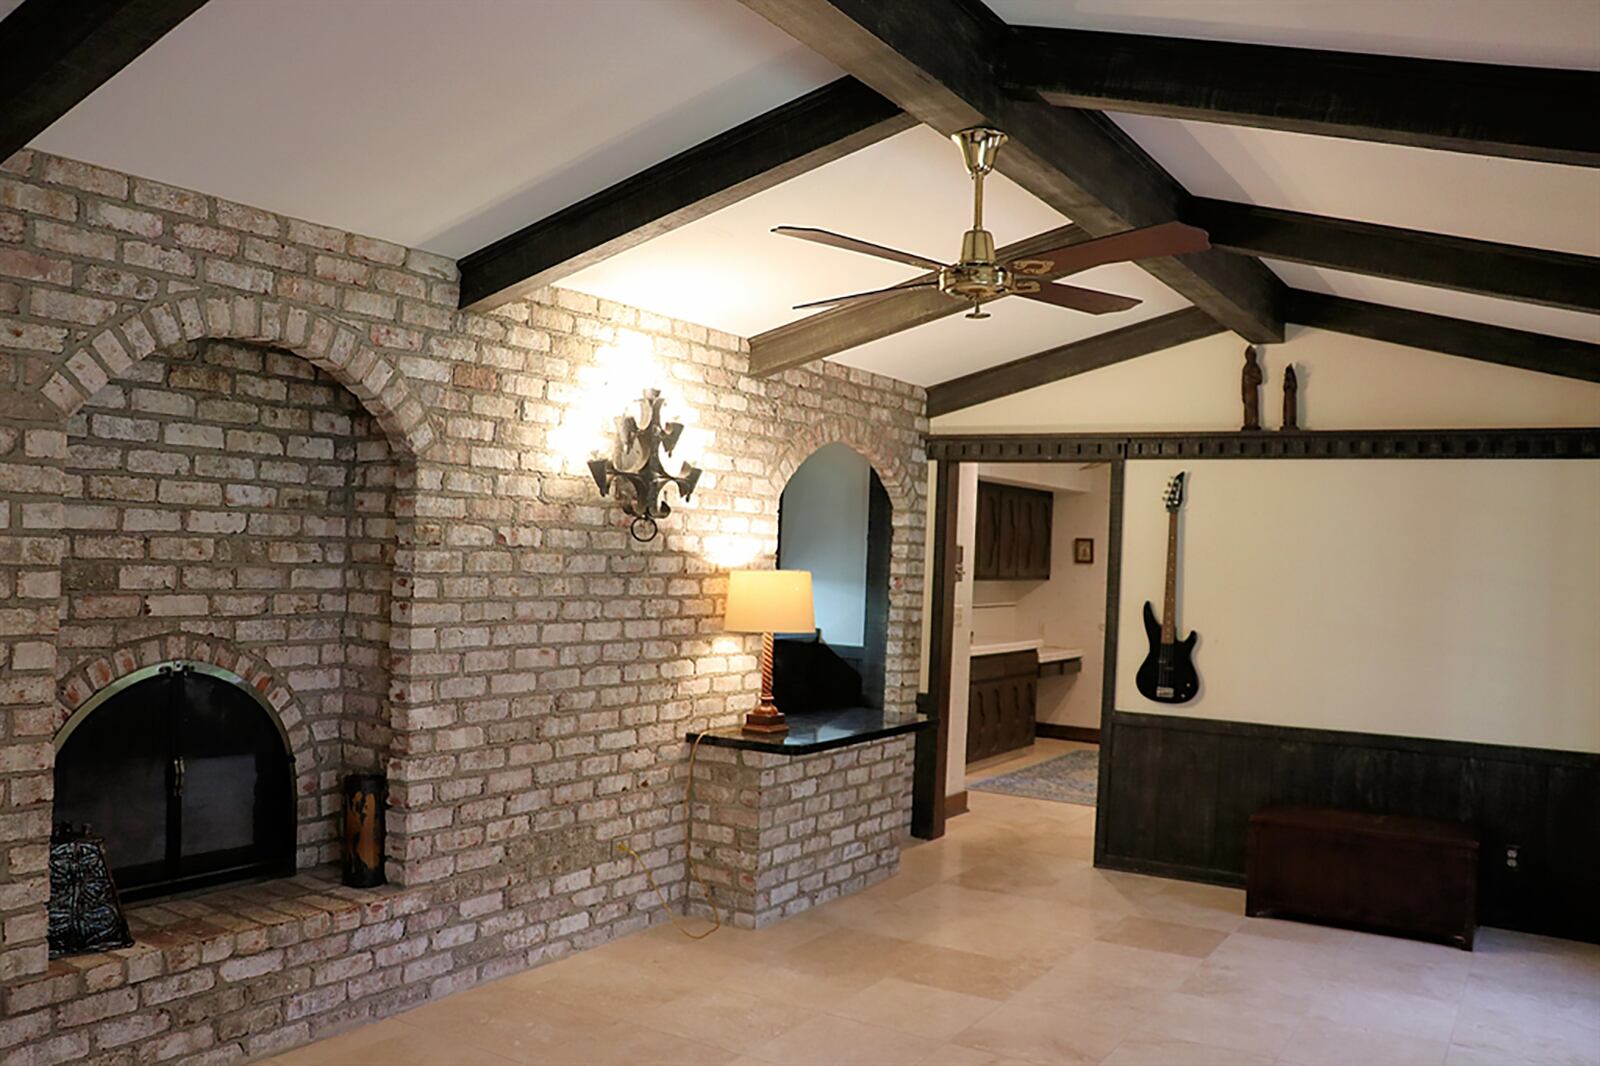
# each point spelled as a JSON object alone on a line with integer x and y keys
{"x": 769, "y": 601}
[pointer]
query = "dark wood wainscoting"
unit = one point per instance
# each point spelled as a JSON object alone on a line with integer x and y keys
{"x": 1180, "y": 792}
{"x": 1082, "y": 733}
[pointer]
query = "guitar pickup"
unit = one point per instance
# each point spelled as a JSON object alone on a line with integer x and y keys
{"x": 1163, "y": 692}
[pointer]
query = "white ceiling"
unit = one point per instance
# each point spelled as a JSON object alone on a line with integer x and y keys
{"x": 445, "y": 124}
{"x": 440, "y": 124}
{"x": 1556, "y": 321}
{"x": 1539, "y": 33}
{"x": 1491, "y": 198}
{"x": 729, "y": 271}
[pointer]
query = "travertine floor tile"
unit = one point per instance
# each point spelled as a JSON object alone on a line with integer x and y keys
{"x": 1170, "y": 937}
{"x": 916, "y": 1008}
{"x": 724, "y": 1017}
{"x": 1046, "y": 1035}
{"x": 1147, "y": 1052}
{"x": 968, "y": 972}
{"x": 1001, "y": 945}
{"x": 1255, "y": 1031}
{"x": 1318, "y": 1042}
{"x": 829, "y": 1039}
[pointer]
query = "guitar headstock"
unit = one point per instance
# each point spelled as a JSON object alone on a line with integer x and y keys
{"x": 1173, "y": 494}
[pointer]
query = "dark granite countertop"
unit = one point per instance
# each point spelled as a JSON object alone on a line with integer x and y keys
{"x": 816, "y": 731}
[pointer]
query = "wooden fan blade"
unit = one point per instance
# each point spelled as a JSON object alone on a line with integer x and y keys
{"x": 904, "y": 286}
{"x": 1169, "y": 238}
{"x": 1088, "y": 300}
{"x": 850, "y": 244}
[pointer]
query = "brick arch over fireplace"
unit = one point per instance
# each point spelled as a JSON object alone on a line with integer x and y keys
{"x": 322, "y": 340}
{"x": 312, "y": 766}
{"x": 78, "y": 686}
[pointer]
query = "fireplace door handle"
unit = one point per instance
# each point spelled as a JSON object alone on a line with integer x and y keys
{"x": 177, "y": 776}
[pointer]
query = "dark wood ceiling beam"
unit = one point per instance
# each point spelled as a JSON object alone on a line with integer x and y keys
{"x": 1531, "y": 275}
{"x": 1452, "y": 336}
{"x": 850, "y": 325}
{"x": 826, "y": 124}
{"x": 940, "y": 60}
{"x": 55, "y": 53}
{"x": 1091, "y": 353}
{"x": 1482, "y": 108}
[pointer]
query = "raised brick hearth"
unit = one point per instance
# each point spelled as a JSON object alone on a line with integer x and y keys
{"x": 232, "y": 437}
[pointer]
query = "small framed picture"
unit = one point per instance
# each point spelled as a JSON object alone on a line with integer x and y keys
{"x": 1083, "y": 549}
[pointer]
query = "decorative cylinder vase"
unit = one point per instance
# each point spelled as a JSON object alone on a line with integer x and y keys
{"x": 363, "y": 830}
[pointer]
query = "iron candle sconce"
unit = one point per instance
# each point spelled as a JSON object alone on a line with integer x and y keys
{"x": 642, "y": 497}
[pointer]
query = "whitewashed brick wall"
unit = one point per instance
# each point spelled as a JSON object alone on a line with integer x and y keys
{"x": 777, "y": 835}
{"x": 542, "y": 667}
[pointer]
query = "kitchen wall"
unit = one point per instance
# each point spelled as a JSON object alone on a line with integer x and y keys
{"x": 1070, "y": 609}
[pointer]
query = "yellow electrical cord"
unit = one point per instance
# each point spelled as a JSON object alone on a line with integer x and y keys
{"x": 694, "y": 871}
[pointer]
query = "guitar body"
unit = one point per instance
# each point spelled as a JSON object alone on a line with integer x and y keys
{"x": 1167, "y": 674}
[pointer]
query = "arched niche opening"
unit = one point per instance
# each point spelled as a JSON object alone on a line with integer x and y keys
{"x": 239, "y": 494}
{"x": 834, "y": 519}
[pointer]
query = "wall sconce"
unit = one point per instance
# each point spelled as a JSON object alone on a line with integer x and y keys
{"x": 642, "y": 496}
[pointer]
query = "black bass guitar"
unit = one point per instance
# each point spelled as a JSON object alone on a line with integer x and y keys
{"x": 1167, "y": 674}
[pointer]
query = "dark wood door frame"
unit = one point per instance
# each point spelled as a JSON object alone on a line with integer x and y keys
{"x": 1108, "y": 665}
{"x": 928, "y": 808}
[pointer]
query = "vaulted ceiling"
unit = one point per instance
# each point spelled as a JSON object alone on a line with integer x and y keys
{"x": 453, "y": 124}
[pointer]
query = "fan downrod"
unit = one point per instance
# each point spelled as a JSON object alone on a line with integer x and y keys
{"x": 977, "y": 276}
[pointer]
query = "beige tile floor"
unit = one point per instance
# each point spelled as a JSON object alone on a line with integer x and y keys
{"x": 1001, "y": 944}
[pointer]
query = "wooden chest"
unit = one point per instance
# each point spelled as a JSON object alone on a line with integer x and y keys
{"x": 1389, "y": 874}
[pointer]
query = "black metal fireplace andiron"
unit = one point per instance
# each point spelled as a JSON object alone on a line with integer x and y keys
{"x": 85, "y": 913}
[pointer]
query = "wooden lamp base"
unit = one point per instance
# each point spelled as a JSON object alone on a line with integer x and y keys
{"x": 766, "y": 719}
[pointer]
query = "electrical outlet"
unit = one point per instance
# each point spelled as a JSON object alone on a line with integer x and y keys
{"x": 1513, "y": 853}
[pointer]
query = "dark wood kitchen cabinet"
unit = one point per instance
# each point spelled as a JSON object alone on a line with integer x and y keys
{"x": 1001, "y": 695}
{"x": 1013, "y": 533}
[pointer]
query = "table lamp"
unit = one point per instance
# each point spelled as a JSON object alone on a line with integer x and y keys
{"x": 768, "y": 602}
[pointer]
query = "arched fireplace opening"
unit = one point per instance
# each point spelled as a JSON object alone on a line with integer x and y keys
{"x": 185, "y": 771}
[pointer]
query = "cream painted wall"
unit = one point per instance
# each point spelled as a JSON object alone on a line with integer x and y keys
{"x": 1072, "y": 607}
{"x": 1345, "y": 383}
{"x": 1454, "y": 599}
{"x": 1051, "y": 477}
{"x": 961, "y": 650}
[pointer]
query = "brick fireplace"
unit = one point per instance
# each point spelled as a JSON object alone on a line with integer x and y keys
{"x": 276, "y": 450}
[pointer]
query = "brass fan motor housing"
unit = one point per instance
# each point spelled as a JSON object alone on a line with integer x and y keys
{"x": 975, "y": 280}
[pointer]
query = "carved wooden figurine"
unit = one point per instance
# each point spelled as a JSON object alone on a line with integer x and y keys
{"x": 1250, "y": 387}
{"x": 1291, "y": 398}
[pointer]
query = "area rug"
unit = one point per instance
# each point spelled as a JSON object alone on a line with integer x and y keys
{"x": 1070, "y": 778}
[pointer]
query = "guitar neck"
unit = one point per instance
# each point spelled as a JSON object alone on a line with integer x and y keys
{"x": 1169, "y": 627}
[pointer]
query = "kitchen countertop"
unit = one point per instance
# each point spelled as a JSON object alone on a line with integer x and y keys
{"x": 1048, "y": 653}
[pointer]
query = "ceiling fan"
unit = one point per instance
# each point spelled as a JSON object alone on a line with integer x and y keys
{"x": 979, "y": 277}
